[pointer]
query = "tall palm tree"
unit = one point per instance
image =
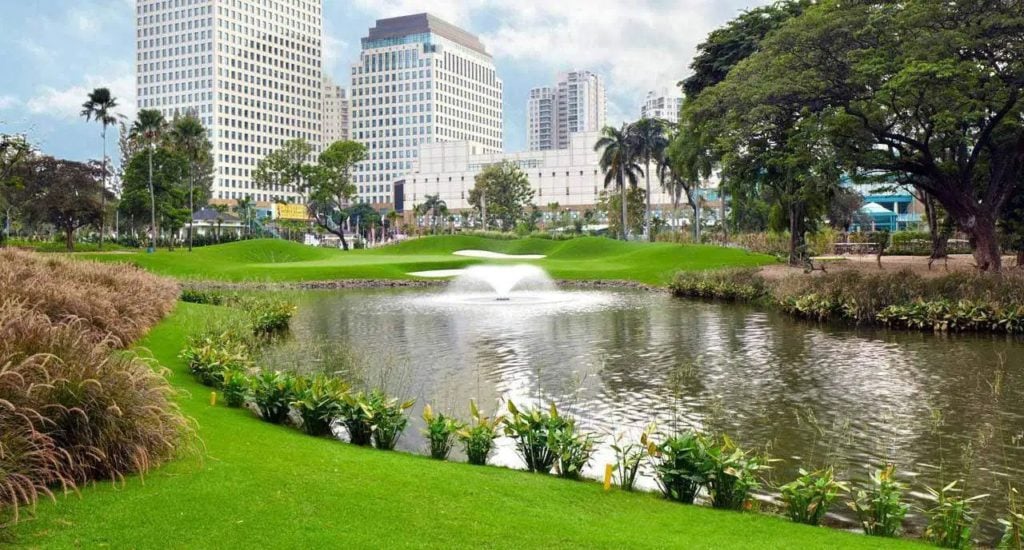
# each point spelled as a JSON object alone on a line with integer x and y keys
{"x": 221, "y": 210}
{"x": 244, "y": 207}
{"x": 650, "y": 142}
{"x": 618, "y": 162}
{"x": 100, "y": 107}
{"x": 189, "y": 135}
{"x": 685, "y": 166}
{"x": 149, "y": 129}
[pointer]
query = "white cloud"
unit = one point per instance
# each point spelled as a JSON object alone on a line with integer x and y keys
{"x": 7, "y": 102}
{"x": 67, "y": 102}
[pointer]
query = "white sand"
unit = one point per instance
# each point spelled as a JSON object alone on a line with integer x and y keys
{"x": 437, "y": 273}
{"x": 497, "y": 255}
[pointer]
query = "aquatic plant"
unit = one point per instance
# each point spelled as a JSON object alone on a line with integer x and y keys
{"x": 951, "y": 521}
{"x": 531, "y": 429}
{"x": 879, "y": 504}
{"x": 273, "y": 392}
{"x": 441, "y": 432}
{"x": 318, "y": 401}
{"x": 808, "y": 497}
{"x": 479, "y": 434}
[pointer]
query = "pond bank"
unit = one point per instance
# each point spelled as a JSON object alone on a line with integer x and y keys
{"x": 340, "y": 284}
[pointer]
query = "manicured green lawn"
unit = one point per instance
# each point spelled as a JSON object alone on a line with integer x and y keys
{"x": 256, "y": 485}
{"x": 583, "y": 258}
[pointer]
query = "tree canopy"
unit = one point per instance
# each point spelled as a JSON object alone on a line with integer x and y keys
{"x": 503, "y": 192}
{"x": 63, "y": 193}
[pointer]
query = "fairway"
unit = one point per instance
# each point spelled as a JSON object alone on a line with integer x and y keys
{"x": 584, "y": 258}
{"x": 257, "y": 485}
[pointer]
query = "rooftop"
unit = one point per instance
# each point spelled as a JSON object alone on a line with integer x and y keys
{"x": 422, "y": 23}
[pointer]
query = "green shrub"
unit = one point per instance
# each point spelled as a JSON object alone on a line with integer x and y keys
{"x": 879, "y": 505}
{"x": 355, "y": 414}
{"x": 388, "y": 418}
{"x": 808, "y": 497}
{"x": 440, "y": 431}
{"x": 732, "y": 474}
{"x": 478, "y": 436}
{"x": 571, "y": 448}
{"x": 724, "y": 284}
{"x": 268, "y": 315}
{"x": 202, "y": 297}
{"x": 318, "y": 402}
{"x": 629, "y": 457}
{"x": 531, "y": 431}
{"x": 951, "y": 521}
{"x": 680, "y": 466}
{"x": 235, "y": 387}
{"x": 272, "y": 392}
{"x": 209, "y": 358}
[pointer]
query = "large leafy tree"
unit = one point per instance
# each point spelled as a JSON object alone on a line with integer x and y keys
{"x": 649, "y": 141}
{"x": 620, "y": 165}
{"x": 65, "y": 194}
{"x": 99, "y": 106}
{"x": 608, "y": 202}
{"x": 155, "y": 185}
{"x": 502, "y": 194}
{"x": 14, "y": 152}
{"x": 725, "y": 47}
{"x": 188, "y": 136}
{"x": 327, "y": 183}
{"x": 683, "y": 166}
{"x": 927, "y": 91}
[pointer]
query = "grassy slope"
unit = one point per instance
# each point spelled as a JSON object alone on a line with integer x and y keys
{"x": 265, "y": 486}
{"x": 584, "y": 258}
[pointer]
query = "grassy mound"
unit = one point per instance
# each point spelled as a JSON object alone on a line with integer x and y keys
{"x": 586, "y": 258}
{"x": 268, "y": 486}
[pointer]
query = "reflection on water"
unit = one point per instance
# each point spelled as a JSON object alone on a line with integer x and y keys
{"x": 810, "y": 395}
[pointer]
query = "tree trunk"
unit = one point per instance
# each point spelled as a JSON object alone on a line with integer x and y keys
{"x": 191, "y": 207}
{"x": 647, "y": 212}
{"x": 721, "y": 218}
{"x": 69, "y": 238}
{"x": 939, "y": 239}
{"x": 103, "y": 191}
{"x": 152, "y": 205}
{"x": 622, "y": 199}
{"x": 797, "y": 244}
{"x": 985, "y": 244}
{"x": 1020, "y": 258}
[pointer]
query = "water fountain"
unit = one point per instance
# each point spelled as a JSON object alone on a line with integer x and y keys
{"x": 502, "y": 282}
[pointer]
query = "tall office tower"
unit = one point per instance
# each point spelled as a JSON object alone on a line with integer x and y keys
{"x": 664, "y": 106}
{"x": 335, "y": 113}
{"x": 250, "y": 69}
{"x": 577, "y": 104}
{"x": 540, "y": 119}
{"x": 419, "y": 80}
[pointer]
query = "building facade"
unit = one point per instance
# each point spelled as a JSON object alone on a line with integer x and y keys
{"x": 419, "y": 80}
{"x": 250, "y": 70}
{"x": 664, "y": 106}
{"x": 571, "y": 176}
{"x": 541, "y": 111}
{"x": 336, "y": 116}
{"x": 576, "y": 103}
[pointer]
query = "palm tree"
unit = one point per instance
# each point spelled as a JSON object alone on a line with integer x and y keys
{"x": 392, "y": 218}
{"x": 221, "y": 210}
{"x": 244, "y": 207}
{"x": 683, "y": 167}
{"x": 190, "y": 136}
{"x": 149, "y": 127}
{"x": 618, "y": 162}
{"x": 435, "y": 206}
{"x": 100, "y": 107}
{"x": 650, "y": 142}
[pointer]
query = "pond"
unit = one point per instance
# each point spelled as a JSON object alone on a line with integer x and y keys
{"x": 807, "y": 394}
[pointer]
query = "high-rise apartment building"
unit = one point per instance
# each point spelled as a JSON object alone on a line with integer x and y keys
{"x": 419, "y": 80}
{"x": 576, "y": 103}
{"x": 664, "y": 106}
{"x": 541, "y": 119}
{"x": 336, "y": 119}
{"x": 251, "y": 70}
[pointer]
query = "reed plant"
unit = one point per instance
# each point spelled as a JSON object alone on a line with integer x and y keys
{"x": 952, "y": 519}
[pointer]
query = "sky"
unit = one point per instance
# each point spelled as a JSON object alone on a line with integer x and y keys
{"x": 56, "y": 51}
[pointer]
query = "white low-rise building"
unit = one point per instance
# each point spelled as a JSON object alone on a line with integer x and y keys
{"x": 571, "y": 177}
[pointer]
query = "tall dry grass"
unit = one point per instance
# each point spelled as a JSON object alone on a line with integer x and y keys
{"x": 72, "y": 407}
{"x": 110, "y": 299}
